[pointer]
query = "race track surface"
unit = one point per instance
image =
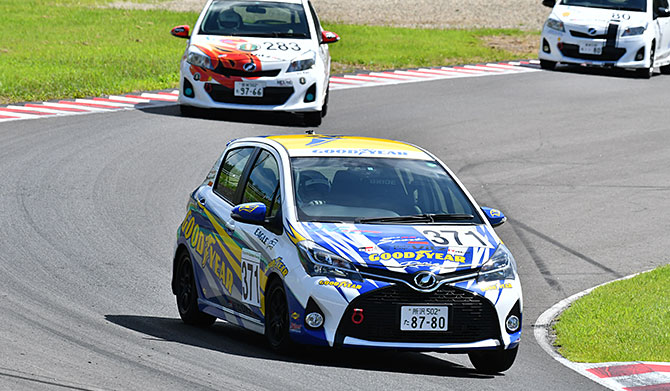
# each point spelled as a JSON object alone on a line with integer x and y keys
{"x": 89, "y": 207}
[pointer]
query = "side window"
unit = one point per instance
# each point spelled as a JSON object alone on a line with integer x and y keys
{"x": 263, "y": 183}
{"x": 231, "y": 171}
{"x": 317, "y": 25}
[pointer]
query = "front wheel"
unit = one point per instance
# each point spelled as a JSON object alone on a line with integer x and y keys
{"x": 187, "y": 294}
{"x": 493, "y": 361}
{"x": 276, "y": 317}
{"x": 548, "y": 65}
{"x": 645, "y": 73}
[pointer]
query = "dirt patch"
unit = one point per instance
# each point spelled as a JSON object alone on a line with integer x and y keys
{"x": 520, "y": 14}
{"x": 521, "y": 46}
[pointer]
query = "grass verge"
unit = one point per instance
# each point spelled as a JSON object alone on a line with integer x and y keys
{"x": 78, "y": 48}
{"x": 627, "y": 320}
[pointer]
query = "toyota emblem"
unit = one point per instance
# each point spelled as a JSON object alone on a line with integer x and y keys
{"x": 249, "y": 67}
{"x": 425, "y": 280}
{"x": 592, "y": 31}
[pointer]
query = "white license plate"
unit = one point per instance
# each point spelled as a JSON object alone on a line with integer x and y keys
{"x": 251, "y": 89}
{"x": 424, "y": 318}
{"x": 591, "y": 48}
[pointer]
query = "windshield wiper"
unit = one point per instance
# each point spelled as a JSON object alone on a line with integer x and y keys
{"x": 422, "y": 218}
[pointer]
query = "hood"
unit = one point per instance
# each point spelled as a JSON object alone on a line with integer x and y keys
{"x": 264, "y": 50}
{"x": 598, "y": 17}
{"x": 406, "y": 248}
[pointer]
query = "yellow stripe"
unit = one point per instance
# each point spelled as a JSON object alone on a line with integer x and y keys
{"x": 229, "y": 242}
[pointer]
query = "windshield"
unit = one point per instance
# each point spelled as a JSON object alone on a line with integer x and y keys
{"x": 621, "y": 5}
{"x": 254, "y": 19}
{"x": 354, "y": 189}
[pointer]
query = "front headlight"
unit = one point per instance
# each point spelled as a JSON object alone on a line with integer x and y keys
{"x": 318, "y": 261}
{"x": 196, "y": 57}
{"x": 501, "y": 266}
{"x": 303, "y": 62}
{"x": 633, "y": 31}
{"x": 555, "y": 24}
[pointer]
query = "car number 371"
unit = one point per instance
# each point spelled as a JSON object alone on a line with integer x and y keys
{"x": 250, "y": 278}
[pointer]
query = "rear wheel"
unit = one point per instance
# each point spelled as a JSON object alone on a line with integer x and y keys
{"x": 276, "y": 317}
{"x": 493, "y": 361}
{"x": 548, "y": 65}
{"x": 187, "y": 295}
{"x": 312, "y": 118}
{"x": 665, "y": 69}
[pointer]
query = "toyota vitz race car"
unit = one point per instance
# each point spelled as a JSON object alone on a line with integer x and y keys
{"x": 256, "y": 55}
{"x": 347, "y": 241}
{"x": 608, "y": 33}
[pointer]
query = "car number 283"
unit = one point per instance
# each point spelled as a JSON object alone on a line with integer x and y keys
{"x": 250, "y": 263}
{"x": 424, "y": 318}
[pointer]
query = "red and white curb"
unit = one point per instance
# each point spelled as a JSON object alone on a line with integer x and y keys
{"x": 86, "y": 106}
{"x": 618, "y": 376}
{"x": 374, "y": 79}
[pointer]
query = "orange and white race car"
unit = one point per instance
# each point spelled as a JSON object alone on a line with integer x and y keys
{"x": 256, "y": 55}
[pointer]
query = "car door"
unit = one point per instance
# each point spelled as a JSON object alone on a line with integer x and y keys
{"x": 262, "y": 185}
{"x": 219, "y": 273}
{"x": 663, "y": 28}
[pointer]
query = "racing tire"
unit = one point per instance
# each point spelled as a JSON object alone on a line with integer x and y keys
{"x": 313, "y": 118}
{"x": 493, "y": 361}
{"x": 276, "y": 318}
{"x": 324, "y": 108}
{"x": 646, "y": 73}
{"x": 548, "y": 65}
{"x": 187, "y": 294}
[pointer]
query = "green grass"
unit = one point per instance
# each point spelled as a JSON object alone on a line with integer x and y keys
{"x": 626, "y": 320}
{"x": 76, "y": 48}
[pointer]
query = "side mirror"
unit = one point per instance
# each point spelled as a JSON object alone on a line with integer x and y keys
{"x": 329, "y": 37}
{"x": 250, "y": 213}
{"x": 495, "y": 217}
{"x": 662, "y": 12}
{"x": 549, "y": 3}
{"x": 183, "y": 31}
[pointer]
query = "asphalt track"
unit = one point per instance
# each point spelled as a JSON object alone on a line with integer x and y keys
{"x": 89, "y": 207}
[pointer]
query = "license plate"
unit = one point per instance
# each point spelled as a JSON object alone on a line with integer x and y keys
{"x": 591, "y": 48}
{"x": 424, "y": 318}
{"x": 251, "y": 89}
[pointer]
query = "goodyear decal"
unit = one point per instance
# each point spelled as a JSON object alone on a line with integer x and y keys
{"x": 340, "y": 284}
{"x": 205, "y": 246}
{"x": 497, "y": 287}
{"x": 278, "y": 265}
{"x": 417, "y": 255}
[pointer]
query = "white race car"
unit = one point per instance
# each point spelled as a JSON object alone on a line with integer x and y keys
{"x": 351, "y": 242}
{"x": 608, "y": 33}
{"x": 256, "y": 55}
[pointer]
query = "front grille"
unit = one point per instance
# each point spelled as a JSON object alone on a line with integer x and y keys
{"x": 608, "y": 54}
{"x": 580, "y": 34}
{"x": 271, "y": 95}
{"x": 471, "y": 317}
{"x": 220, "y": 69}
{"x": 383, "y": 274}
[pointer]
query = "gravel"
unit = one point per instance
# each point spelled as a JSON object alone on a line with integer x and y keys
{"x": 521, "y": 14}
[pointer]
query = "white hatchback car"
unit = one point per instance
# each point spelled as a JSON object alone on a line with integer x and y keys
{"x": 608, "y": 33}
{"x": 256, "y": 55}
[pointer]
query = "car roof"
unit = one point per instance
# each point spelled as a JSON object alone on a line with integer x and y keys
{"x": 349, "y": 146}
{"x": 271, "y": 1}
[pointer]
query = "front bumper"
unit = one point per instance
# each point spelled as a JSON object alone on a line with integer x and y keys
{"x": 285, "y": 91}
{"x": 564, "y": 47}
{"x": 476, "y": 318}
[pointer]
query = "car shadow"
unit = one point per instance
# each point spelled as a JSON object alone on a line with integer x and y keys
{"x": 230, "y": 339}
{"x": 598, "y": 71}
{"x": 239, "y": 116}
